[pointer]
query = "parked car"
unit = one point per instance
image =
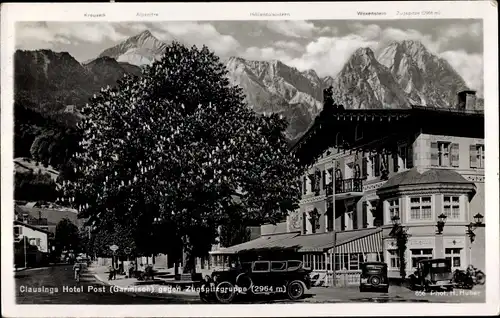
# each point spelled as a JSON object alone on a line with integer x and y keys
{"x": 432, "y": 274}
{"x": 374, "y": 277}
{"x": 257, "y": 278}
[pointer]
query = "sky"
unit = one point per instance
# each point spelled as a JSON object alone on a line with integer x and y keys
{"x": 322, "y": 45}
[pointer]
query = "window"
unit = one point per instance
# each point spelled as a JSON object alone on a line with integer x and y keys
{"x": 354, "y": 260}
{"x": 477, "y": 156}
{"x": 341, "y": 261}
{"x": 453, "y": 254}
{"x": 261, "y": 266}
{"x": 320, "y": 262}
{"x": 403, "y": 155}
{"x": 308, "y": 260}
{"x": 394, "y": 261}
{"x": 451, "y": 206}
{"x": 420, "y": 208}
{"x": 278, "y": 266}
{"x": 393, "y": 206}
{"x": 348, "y": 261}
{"x": 444, "y": 154}
{"x": 420, "y": 254}
{"x": 18, "y": 230}
{"x": 293, "y": 265}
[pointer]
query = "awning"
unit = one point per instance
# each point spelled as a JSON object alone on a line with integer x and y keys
{"x": 310, "y": 243}
{"x": 369, "y": 241}
{"x": 267, "y": 241}
{"x": 356, "y": 241}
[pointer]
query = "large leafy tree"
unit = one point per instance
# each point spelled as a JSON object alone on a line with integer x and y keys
{"x": 179, "y": 149}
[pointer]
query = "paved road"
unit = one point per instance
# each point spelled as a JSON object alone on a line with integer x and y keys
{"x": 56, "y": 285}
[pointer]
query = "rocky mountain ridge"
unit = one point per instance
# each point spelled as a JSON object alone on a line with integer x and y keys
{"x": 404, "y": 73}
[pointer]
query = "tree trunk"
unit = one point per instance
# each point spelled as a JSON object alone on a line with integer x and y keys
{"x": 187, "y": 256}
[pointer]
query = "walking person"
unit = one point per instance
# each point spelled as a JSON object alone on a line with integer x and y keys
{"x": 116, "y": 268}
{"x": 110, "y": 269}
{"x": 131, "y": 269}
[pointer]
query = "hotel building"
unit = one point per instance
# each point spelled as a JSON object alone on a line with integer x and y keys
{"x": 367, "y": 169}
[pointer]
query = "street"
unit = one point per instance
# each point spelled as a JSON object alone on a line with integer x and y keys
{"x": 56, "y": 285}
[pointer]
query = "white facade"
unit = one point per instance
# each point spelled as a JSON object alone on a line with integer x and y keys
{"x": 35, "y": 237}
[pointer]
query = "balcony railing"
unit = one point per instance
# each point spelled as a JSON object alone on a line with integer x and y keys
{"x": 345, "y": 186}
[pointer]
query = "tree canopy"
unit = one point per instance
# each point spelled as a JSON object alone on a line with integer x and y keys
{"x": 67, "y": 236}
{"x": 179, "y": 149}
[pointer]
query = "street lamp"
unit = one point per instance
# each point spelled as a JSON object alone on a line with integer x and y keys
{"x": 471, "y": 227}
{"x": 440, "y": 223}
{"x": 397, "y": 227}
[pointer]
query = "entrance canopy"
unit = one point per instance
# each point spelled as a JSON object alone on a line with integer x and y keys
{"x": 356, "y": 241}
{"x": 266, "y": 241}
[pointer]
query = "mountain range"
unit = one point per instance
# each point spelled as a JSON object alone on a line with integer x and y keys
{"x": 402, "y": 74}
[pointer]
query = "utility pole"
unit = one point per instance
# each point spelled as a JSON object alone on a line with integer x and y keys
{"x": 334, "y": 218}
{"x": 25, "y": 253}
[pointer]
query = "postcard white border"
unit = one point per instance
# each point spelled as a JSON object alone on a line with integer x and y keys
{"x": 486, "y": 10}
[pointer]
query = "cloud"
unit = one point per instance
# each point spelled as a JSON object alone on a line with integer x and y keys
{"x": 327, "y": 55}
{"x": 289, "y": 45}
{"x": 266, "y": 53}
{"x": 292, "y": 28}
{"x": 66, "y": 33}
{"x": 198, "y": 34}
{"x": 369, "y": 32}
{"x": 459, "y": 30}
{"x": 469, "y": 66}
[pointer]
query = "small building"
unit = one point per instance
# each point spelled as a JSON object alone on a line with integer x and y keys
{"x": 31, "y": 246}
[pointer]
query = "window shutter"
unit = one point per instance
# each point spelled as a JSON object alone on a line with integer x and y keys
{"x": 395, "y": 160}
{"x": 364, "y": 168}
{"x": 409, "y": 156}
{"x": 473, "y": 156}
{"x": 304, "y": 182}
{"x": 364, "y": 215}
{"x": 355, "y": 218}
{"x": 324, "y": 179}
{"x": 455, "y": 159}
{"x": 434, "y": 154}
{"x": 304, "y": 224}
{"x": 377, "y": 164}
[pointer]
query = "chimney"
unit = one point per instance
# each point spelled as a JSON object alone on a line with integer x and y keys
{"x": 467, "y": 100}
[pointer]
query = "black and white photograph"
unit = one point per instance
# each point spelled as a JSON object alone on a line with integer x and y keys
{"x": 269, "y": 161}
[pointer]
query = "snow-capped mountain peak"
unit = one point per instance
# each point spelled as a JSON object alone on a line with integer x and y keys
{"x": 141, "y": 49}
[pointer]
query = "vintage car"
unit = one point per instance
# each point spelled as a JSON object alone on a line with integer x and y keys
{"x": 257, "y": 278}
{"x": 374, "y": 277}
{"x": 432, "y": 274}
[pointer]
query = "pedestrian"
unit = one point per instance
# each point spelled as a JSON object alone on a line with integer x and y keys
{"x": 131, "y": 270}
{"x": 110, "y": 268}
{"x": 116, "y": 268}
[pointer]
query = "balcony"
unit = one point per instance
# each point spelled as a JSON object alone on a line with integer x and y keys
{"x": 345, "y": 186}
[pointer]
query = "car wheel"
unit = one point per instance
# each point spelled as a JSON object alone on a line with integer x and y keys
{"x": 480, "y": 278}
{"x": 295, "y": 290}
{"x": 385, "y": 290}
{"x": 375, "y": 281}
{"x": 245, "y": 282}
{"x": 225, "y": 292}
{"x": 362, "y": 289}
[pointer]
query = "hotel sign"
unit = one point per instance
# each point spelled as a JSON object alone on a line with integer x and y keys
{"x": 420, "y": 243}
